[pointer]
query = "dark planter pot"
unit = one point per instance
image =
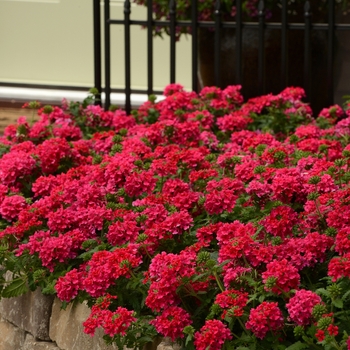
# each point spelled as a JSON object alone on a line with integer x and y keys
{"x": 272, "y": 72}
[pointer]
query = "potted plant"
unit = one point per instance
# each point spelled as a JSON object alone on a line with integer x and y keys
{"x": 250, "y": 44}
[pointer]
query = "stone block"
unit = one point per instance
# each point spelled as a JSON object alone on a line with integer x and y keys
{"x": 32, "y": 344}
{"x": 167, "y": 344}
{"x": 30, "y": 312}
{"x": 66, "y": 328}
{"x": 11, "y": 337}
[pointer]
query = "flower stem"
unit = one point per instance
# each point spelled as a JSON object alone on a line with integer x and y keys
{"x": 218, "y": 281}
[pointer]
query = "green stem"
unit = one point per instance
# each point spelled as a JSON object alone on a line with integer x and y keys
{"x": 218, "y": 281}
{"x": 335, "y": 344}
{"x": 144, "y": 247}
{"x": 132, "y": 274}
{"x": 242, "y": 325}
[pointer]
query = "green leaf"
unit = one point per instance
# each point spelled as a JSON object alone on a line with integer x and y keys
{"x": 200, "y": 276}
{"x": 145, "y": 339}
{"x": 346, "y": 295}
{"x": 338, "y": 303}
{"x": 297, "y": 346}
{"x": 322, "y": 291}
{"x": 15, "y": 288}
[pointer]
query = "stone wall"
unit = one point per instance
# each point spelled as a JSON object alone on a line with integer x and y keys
{"x": 36, "y": 322}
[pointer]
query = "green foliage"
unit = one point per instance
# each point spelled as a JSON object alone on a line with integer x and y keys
{"x": 15, "y": 288}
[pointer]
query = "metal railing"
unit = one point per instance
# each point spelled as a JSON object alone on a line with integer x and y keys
{"x": 218, "y": 24}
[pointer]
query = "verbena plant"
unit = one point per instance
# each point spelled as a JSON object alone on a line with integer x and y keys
{"x": 228, "y": 9}
{"x": 219, "y": 223}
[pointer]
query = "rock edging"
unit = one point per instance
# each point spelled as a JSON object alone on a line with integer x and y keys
{"x": 35, "y": 321}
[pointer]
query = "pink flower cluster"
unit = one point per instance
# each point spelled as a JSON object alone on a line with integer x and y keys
{"x": 264, "y": 318}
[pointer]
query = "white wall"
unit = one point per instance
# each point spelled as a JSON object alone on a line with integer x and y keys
{"x": 51, "y": 42}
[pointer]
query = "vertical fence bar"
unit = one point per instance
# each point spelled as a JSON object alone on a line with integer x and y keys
{"x": 261, "y": 58}
{"x": 238, "y": 57}
{"x": 97, "y": 49}
{"x": 307, "y": 49}
{"x": 330, "y": 58}
{"x": 172, "y": 15}
{"x": 194, "y": 30}
{"x": 107, "y": 50}
{"x": 284, "y": 44}
{"x": 217, "y": 44}
{"x": 127, "y": 12}
{"x": 149, "y": 47}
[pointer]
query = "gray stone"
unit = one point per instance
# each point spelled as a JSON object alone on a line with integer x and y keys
{"x": 30, "y": 312}
{"x": 32, "y": 344}
{"x": 167, "y": 344}
{"x": 66, "y": 328}
{"x": 11, "y": 337}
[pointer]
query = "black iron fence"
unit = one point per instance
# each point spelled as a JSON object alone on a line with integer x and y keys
{"x": 306, "y": 28}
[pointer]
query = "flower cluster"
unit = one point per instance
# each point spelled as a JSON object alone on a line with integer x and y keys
{"x": 216, "y": 222}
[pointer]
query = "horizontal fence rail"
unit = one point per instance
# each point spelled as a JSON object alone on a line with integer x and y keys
{"x": 261, "y": 25}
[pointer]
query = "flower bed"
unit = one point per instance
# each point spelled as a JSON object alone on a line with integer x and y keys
{"x": 217, "y": 223}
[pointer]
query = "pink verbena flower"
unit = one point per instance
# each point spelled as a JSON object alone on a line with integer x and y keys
{"x": 118, "y": 322}
{"x": 138, "y": 183}
{"x": 235, "y": 121}
{"x": 51, "y": 153}
{"x": 106, "y": 267}
{"x": 342, "y": 241}
{"x": 339, "y": 267}
{"x": 222, "y": 195}
{"x": 213, "y": 334}
{"x": 232, "y": 300}
{"x": 16, "y": 165}
{"x": 113, "y": 323}
{"x": 68, "y": 286}
{"x": 166, "y": 272}
{"x": 171, "y": 89}
{"x": 286, "y": 276}
{"x": 280, "y": 221}
{"x": 120, "y": 233}
{"x": 300, "y": 306}
{"x": 171, "y": 322}
{"x": 11, "y": 206}
{"x": 56, "y": 249}
{"x": 264, "y": 318}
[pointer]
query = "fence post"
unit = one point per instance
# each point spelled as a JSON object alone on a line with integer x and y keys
{"x": 194, "y": 30}
{"x": 97, "y": 50}
{"x": 261, "y": 58}
{"x": 330, "y": 58}
{"x": 307, "y": 50}
{"x": 107, "y": 56}
{"x": 172, "y": 14}
{"x": 127, "y": 11}
{"x": 239, "y": 41}
{"x": 217, "y": 49}
{"x": 149, "y": 47}
{"x": 284, "y": 44}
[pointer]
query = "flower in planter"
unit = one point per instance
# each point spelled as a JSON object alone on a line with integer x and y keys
{"x": 206, "y": 10}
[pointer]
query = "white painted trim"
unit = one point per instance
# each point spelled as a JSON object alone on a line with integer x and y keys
{"x": 56, "y": 96}
{"x": 43, "y": 1}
